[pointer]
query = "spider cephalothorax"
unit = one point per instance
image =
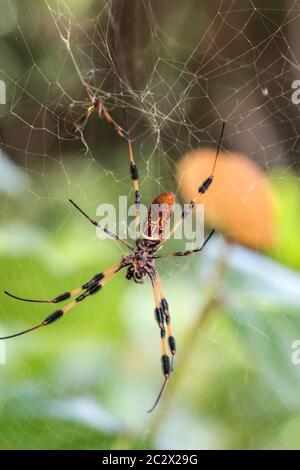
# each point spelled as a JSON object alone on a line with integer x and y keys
{"x": 140, "y": 261}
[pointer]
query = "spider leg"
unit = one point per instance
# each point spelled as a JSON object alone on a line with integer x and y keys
{"x": 61, "y": 297}
{"x": 97, "y": 104}
{"x": 165, "y": 360}
{"x": 82, "y": 120}
{"x": 103, "y": 113}
{"x": 94, "y": 222}
{"x": 186, "y": 252}
{"x": 201, "y": 190}
{"x": 164, "y": 307}
{"x": 92, "y": 288}
{"x": 124, "y": 134}
{"x": 134, "y": 176}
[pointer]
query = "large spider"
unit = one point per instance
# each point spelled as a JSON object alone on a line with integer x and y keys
{"x": 140, "y": 261}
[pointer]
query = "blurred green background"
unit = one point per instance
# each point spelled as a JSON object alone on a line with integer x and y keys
{"x": 87, "y": 381}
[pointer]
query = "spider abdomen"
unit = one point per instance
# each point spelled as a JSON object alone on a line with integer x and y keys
{"x": 158, "y": 217}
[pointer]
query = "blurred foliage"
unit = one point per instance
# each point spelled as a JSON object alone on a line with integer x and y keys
{"x": 87, "y": 381}
{"x": 287, "y": 186}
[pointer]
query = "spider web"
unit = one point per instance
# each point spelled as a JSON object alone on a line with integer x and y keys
{"x": 179, "y": 74}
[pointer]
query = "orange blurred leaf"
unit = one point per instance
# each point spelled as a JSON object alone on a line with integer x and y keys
{"x": 240, "y": 202}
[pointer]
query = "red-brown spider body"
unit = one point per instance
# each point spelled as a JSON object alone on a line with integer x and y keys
{"x": 141, "y": 263}
{"x": 159, "y": 215}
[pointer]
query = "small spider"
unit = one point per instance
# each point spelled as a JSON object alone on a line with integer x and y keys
{"x": 96, "y": 104}
{"x": 140, "y": 261}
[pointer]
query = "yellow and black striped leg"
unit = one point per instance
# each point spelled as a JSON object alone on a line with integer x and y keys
{"x": 165, "y": 360}
{"x": 164, "y": 307}
{"x": 60, "y": 297}
{"x": 135, "y": 178}
{"x": 186, "y": 252}
{"x": 90, "y": 288}
{"x": 137, "y": 195}
{"x": 205, "y": 185}
{"x": 124, "y": 134}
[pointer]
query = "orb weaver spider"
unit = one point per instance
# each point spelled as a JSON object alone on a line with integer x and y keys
{"x": 140, "y": 261}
